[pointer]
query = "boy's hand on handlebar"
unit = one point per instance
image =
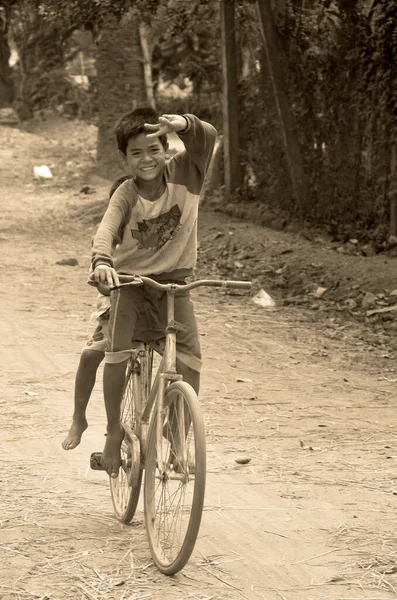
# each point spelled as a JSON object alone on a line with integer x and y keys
{"x": 107, "y": 275}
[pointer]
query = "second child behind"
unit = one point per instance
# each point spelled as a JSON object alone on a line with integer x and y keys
{"x": 91, "y": 357}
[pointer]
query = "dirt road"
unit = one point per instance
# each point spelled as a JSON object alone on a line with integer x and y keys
{"x": 312, "y": 516}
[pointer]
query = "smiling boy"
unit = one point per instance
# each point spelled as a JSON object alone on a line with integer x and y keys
{"x": 150, "y": 228}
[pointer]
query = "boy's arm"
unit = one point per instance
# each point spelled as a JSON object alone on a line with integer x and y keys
{"x": 110, "y": 228}
{"x": 199, "y": 139}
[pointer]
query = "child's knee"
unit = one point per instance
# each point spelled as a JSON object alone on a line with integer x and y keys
{"x": 117, "y": 357}
{"x": 91, "y": 358}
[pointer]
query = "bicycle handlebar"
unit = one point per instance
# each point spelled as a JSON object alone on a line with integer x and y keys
{"x": 129, "y": 279}
{"x": 142, "y": 279}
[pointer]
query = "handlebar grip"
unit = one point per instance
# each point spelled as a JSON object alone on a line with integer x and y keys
{"x": 130, "y": 279}
{"x": 239, "y": 285}
{"x": 102, "y": 288}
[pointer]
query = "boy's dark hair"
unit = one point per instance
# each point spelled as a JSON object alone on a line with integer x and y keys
{"x": 132, "y": 124}
{"x": 117, "y": 183}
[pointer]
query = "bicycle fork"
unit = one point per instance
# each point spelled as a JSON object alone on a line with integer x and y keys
{"x": 168, "y": 375}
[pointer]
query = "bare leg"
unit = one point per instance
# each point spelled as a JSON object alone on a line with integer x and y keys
{"x": 84, "y": 383}
{"x": 190, "y": 376}
{"x": 174, "y": 431}
{"x": 113, "y": 385}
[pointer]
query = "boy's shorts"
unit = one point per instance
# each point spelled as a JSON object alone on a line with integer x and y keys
{"x": 139, "y": 314}
{"x": 99, "y": 337}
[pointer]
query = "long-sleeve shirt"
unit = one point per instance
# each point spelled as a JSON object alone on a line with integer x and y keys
{"x": 143, "y": 237}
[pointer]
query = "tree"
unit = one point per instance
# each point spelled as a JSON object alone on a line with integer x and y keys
{"x": 40, "y": 30}
{"x": 120, "y": 83}
{"x": 186, "y": 45}
{"x": 230, "y": 99}
{"x": 40, "y": 73}
{"x": 6, "y": 83}
{"x": 381, "y": 79}
{"x": 277, "y": 70}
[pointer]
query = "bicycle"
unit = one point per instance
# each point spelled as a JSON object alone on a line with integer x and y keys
{"x": 163, "y": 436}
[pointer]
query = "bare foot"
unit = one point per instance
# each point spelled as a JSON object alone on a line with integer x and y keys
{"x": 111, "y": 459}
{"x": 75, "y": 432}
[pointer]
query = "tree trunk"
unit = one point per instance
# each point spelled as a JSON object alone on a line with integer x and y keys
{"x": 393, "y": 192}
{"x": 120, "y": 83}
{"x": 277, "y": 67}
{"x": 147, "y": 65}
{"x": 230, "y": 98}
{"x": 6, "y": 83}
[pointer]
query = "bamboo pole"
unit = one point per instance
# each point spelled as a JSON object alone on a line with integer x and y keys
{"x": 229, "y": 98}
{"x": 147, "y": 65}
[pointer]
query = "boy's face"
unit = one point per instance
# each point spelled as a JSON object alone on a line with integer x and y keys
{"x": 144, "y": 158}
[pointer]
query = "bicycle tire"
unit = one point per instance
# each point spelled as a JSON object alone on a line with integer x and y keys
{"x": 162, "y": 504}
{"x": 126, "y": 487}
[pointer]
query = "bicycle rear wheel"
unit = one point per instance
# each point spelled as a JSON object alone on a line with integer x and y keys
{"x": 125, "y": 488}
{"x": 175, "y": 479}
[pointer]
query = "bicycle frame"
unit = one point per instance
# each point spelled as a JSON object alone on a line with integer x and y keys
{"x": 167, "y": 370}
{"x": 149, "y": 396}
{"x": 166, "y": 373}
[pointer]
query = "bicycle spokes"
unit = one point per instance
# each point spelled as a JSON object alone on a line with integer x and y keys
{"x": 121, "y": 485}
{"x": 125, "y": 488}
{"x": 174, "y": 490}
{"x": 174, "y": 480}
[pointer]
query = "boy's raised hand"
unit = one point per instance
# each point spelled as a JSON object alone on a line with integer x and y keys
{"x": 166, "y": 124}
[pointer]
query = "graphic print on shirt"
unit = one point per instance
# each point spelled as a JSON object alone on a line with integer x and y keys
{"x": 155, "y": 232}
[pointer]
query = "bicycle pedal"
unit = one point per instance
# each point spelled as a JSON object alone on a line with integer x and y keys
{"x": 95, "y": 461}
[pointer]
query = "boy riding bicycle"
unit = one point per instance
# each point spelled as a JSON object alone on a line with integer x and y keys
{"x": 150, "y": 228}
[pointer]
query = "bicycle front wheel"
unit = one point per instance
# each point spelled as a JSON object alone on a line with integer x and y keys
{"x": 125, "y": 488}
{"x": 175, "y": 472}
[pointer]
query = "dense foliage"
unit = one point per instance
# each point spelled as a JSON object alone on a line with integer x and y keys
{"x": 342, "y": 88}
{"x": 186, "y": 46}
